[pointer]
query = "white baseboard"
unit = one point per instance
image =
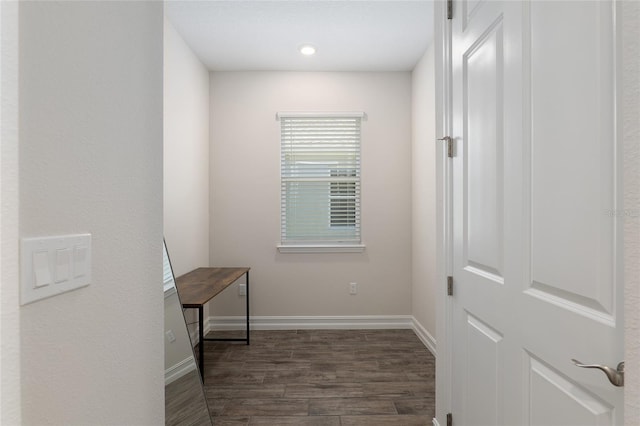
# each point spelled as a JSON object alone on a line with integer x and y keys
{"x": 173, "y": 373}
{"x": 426, "y": 338}
{"x": 319, "y": 323}
{"x": 311, "y": 322}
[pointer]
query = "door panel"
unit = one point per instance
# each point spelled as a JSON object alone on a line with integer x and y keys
{"x": 555, "y": 399}
{"x": 485, "y": 343}
{"x": 469, "y": 8}
{"x": 568, "y": 215}
{"x": 483, "y": 106}
{"x": 536, "y": 242}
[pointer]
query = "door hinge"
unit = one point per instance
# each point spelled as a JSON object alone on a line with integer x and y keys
{"x": 449, "y": 9}
{"x": 449, "y": 419}
{"x": 449, "y": 286}
{"x": 449, "y": 141}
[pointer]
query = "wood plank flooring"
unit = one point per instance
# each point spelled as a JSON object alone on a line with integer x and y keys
{"x": 321, "y": 378}
{"x": 184, "y": 402}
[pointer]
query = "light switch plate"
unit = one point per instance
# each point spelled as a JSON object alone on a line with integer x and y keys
{"x": 53, "y": 265}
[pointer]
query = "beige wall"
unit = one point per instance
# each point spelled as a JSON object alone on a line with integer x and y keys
{"x": 91, "y": 161}
{"x": 245, "y": 188}
{"x": 424, "y": 193}
{"x": 186, "y": 154}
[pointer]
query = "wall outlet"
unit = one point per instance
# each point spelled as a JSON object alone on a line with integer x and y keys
{"x": 242, "y": 289}
{"x": 353, "y": 288}
{"x": 170, "y": 336}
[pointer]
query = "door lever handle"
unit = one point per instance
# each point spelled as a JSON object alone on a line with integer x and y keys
{"x": 616, "y": 377}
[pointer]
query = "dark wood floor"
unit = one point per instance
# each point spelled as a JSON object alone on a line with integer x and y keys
{"x": 321, "y": 378}
{"x": 185, "y": 403}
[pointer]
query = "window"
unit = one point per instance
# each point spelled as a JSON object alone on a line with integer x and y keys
{"x": 320, "y": 181}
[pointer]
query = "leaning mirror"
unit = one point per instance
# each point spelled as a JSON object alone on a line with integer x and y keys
{"x": 184, "y": 399}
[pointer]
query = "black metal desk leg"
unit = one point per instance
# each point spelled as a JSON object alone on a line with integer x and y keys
{"x": 247, "y": 307}
{"x": 201, "y": 340}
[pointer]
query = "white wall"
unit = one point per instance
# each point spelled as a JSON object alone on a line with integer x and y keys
{"x": 91, "y": 161}
{"x": 631, "y": 136}
{"x": 423, "y": 195}
{"x": 186, "y": 154}
{"x": 245, "y": 188}
{"x": 10, "y": 387}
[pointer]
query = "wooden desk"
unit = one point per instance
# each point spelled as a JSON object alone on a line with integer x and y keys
{"x": 198, "y": 287}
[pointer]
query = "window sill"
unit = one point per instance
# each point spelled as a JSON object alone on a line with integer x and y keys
{"x": 322, "y": 248}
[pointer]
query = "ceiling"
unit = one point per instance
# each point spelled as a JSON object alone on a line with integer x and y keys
{"x": 355, "y": 35}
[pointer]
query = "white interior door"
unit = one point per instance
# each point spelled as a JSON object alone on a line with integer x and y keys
{"x": 536, "y": 191}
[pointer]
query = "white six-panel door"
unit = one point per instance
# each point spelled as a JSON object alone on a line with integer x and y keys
{"x": 536, "y": 196}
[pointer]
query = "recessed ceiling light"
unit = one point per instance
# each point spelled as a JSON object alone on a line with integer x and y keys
{"x": 307, "y": 49}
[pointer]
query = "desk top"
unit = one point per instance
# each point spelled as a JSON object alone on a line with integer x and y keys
{"x": 197, "y": 287}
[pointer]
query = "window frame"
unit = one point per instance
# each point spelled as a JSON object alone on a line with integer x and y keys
{"x": 351, "y": 213}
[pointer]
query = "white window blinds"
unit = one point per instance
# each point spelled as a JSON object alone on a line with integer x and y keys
{"x": 167, "y": 279}
{"x": 320, "y": 178}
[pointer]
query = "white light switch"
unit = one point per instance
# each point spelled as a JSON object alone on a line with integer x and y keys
{"x": 41, "y": 271}
{"x": 53, "y": 265}
{"x": 63, "y": 265}
{"x": 79, "y": 261}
